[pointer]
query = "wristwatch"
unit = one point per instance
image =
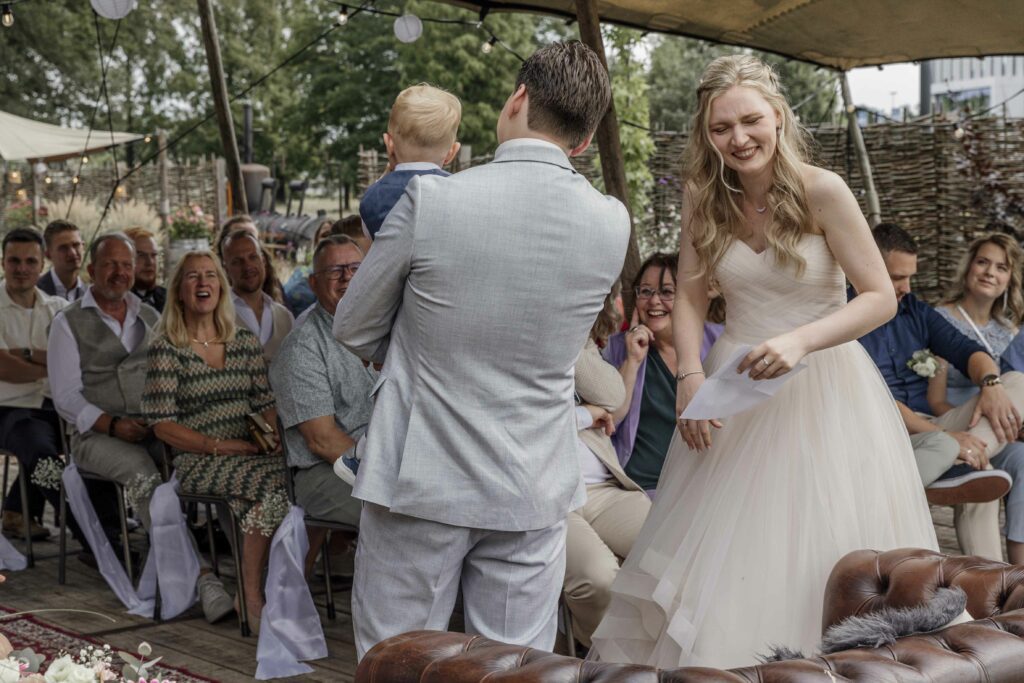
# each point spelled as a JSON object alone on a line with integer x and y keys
{"x": 990, "y": 381}
{"x": 26, "y": 353}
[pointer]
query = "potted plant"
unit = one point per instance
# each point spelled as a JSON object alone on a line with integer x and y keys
{"x": 189, "y": 230}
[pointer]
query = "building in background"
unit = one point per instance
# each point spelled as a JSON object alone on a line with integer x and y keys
{"x": 969, "y": 83}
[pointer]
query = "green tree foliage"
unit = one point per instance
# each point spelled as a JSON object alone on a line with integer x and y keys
{"x": 677, "y": 64}
{"x": 629, "y": 91}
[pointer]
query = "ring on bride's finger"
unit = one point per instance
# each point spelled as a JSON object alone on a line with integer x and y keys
{"x": 969, "y": 451}
{"x": 634, "y": 329}
{"x": 766, "y": 361}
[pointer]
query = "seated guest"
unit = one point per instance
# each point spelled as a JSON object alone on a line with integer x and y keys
{"x": 146, "y": 266}
{"x": 985, "y": 305}
{"x": 646, "y": 420}
{"x": 352, "y": 226}
{"x": 64, "y": 248}
{"x": 601, "y": 533}
{"x": 28, "y": 423}
{"x": 254, "y": 310}
{"x": 994, "y": 413}
{"x": 203, "y": 378}
{"x": 323, "y": 393}
{"x": 297, "y": 294}
{"x": 97, "y": 367}
{"x": 243, "y": 223}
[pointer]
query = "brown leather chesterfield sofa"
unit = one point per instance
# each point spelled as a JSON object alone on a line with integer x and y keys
{"x": 987, "y": 650}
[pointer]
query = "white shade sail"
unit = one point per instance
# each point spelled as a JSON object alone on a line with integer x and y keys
{"x": 841, "y": 34}
{"x": 23, "y": 139}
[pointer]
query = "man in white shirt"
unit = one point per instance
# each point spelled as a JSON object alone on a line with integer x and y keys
{"x": 28, "y": 423}
{"x": 268, "y": 320}
{"x": 64, "y": 248}
{"x": 97, "y": 371}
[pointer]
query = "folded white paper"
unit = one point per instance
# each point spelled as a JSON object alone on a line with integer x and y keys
{"x": 727, "y": 392}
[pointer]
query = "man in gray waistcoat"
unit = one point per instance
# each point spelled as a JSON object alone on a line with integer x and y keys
{"x": 323, "y": 392}
{"x": 477, "y": 296}
{"x": 96, "y": 354}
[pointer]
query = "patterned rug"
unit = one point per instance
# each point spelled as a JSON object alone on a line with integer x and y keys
{"x": 49, "y": 640}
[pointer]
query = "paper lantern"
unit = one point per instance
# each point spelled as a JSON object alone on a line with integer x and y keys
{"x": 408, "y": 28}
{"x": 113, "y": 9}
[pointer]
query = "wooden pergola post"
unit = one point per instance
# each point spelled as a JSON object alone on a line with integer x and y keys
{"x": 222, "y": 106}
{"x": 613, "y": 165}
{"x": 871, "y": 195}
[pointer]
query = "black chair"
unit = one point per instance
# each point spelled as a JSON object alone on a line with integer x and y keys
{"x": 122, "y": 513}
{"x": 318, "y": 522}
{"x": 25, "y": 515}
{"x": 234, "y": 528}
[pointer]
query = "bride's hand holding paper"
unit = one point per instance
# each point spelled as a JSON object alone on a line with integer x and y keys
{"x": 773, "y": 358}
{"x": 696, "y": 433}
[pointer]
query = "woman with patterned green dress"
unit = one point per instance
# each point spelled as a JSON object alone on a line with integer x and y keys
{"x": 203, "y": 378}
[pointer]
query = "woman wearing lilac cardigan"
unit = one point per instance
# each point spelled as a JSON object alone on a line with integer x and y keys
{"x": 646, "y": 422}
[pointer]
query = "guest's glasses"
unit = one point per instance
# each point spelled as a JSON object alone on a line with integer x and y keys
{"x": 336, "y": 272}
{"x": 645, "y": 293}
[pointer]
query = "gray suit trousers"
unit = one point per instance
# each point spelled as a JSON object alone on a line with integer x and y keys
{"x": 408, "y": 573}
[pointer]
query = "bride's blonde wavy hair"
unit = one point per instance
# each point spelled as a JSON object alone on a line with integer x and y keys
{"x": 715, "y": 188}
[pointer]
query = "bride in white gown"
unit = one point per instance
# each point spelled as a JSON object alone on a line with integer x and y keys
{"x": 753, "y": 511}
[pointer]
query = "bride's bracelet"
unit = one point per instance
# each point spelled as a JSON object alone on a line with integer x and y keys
{"x": 680, "y": 376}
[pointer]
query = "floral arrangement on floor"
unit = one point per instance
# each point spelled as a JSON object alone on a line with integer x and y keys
{"x": 190, "y": 223}
{"x": 93, "y": 664}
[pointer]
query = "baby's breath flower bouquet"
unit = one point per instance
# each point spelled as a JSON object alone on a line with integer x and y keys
{"x": 924, "y": 363}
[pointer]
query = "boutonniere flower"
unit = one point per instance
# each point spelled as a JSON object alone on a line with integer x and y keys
{"x": 924, "y": 363}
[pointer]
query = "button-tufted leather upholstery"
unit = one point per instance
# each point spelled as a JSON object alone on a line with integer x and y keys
{"x": 989, "y": 650}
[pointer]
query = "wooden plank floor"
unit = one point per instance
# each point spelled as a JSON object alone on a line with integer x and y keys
{"x": 217, "y": 651}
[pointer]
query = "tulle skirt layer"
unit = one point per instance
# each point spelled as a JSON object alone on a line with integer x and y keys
{"x": 740, "y": 542}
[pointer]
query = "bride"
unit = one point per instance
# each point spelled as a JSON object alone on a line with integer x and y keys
{"x": 753, "y": 511}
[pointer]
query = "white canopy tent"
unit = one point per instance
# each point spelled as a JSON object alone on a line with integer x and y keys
{"x": 23, "y": 139}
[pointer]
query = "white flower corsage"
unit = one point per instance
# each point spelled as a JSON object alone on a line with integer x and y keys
{"x": 924, "y": 363}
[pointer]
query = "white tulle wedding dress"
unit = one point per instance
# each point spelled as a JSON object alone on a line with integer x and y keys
{"x": 740, "y": 542}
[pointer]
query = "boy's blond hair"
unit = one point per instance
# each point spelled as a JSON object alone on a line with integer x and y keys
{"x": 425, "y": 116}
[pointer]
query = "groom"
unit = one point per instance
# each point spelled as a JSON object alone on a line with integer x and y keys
{"x": 477, "y": 295}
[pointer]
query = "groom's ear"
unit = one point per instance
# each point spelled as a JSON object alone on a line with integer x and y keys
{"x": 519, "y": 100}
{"x": 580, "y": 148}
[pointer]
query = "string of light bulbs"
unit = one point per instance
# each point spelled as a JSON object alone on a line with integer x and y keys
{"x": 409, "y": 27}
{"x": 7, "y": 12}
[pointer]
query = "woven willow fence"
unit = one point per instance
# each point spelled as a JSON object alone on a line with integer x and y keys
{"x": 942, "y": 188}
{"x": 187, "y": 184}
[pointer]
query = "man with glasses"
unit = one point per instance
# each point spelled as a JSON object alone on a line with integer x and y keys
{"x": 146, "y": 267}
{"x": 323, "y": 393}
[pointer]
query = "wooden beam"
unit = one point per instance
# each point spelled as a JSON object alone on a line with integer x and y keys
{"x": 613, "y": 165}
{"x": 222, "y": 106}
{"x": 874, "y": 207}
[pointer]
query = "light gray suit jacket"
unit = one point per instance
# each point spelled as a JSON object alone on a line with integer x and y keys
{"x": 478, "y": 294}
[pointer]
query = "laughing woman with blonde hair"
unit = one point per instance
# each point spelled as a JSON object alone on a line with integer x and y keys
{"x": 757, "y": 512}
{"x": 203, "y": 377}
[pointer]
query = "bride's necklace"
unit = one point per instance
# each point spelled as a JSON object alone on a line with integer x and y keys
{"x": 762, "y": 209}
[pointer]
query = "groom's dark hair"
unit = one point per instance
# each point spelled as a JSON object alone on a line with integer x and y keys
{"x": 569, "y": 90}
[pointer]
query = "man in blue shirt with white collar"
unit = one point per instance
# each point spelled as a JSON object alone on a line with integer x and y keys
{"x": 981, "y": 427}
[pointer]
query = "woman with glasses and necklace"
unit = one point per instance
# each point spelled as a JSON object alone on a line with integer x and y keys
{"x": 645, "y": 422}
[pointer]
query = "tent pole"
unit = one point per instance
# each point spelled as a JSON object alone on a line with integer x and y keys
{"x": 222, "y": 106}
{"x": 874, "y": 208}
{"x": 613, "y": 166}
